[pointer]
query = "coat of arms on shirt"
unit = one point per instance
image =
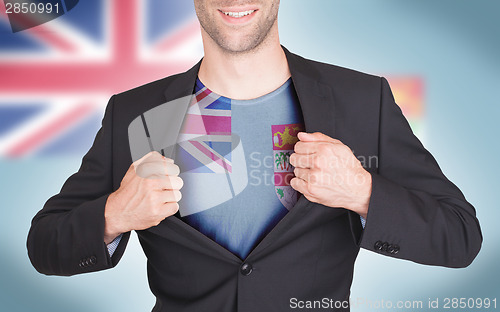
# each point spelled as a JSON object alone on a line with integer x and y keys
{"x": 284, "y": 138}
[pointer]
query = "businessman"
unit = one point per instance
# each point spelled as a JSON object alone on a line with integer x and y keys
{"x": 217, "y": 235}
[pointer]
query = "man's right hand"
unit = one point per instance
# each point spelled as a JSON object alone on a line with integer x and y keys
{"x": 148, "y": 193}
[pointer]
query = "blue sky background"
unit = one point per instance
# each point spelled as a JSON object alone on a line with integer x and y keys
{"x": 452, "y": 44}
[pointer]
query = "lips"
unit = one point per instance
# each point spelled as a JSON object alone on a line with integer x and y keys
{"x": 238, "y": 16}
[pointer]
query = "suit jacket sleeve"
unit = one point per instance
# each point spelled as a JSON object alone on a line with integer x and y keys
{"x": 67, "y": 236}
{"x": 415, "y": 212}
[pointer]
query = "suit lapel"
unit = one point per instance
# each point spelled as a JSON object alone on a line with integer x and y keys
{"x": 179, "y": 93}
{"x": 318, "y": 109}
{"x": 183, "y": 84}
{"x": 158, "y": 128}
{"x": 316, "y": 98}
{"x": 182, "y": 88}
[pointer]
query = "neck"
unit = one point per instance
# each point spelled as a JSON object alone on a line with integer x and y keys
{"x": 243, "y": 76}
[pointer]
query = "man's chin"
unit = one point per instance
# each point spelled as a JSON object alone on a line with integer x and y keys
{"x": 239, "y": 50}
{"x": 234, "y": 46}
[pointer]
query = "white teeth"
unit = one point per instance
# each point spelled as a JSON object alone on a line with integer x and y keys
{"x": 239, "y": 14}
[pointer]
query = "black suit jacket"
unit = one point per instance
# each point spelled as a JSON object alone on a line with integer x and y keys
{"x": 415, "y": 212}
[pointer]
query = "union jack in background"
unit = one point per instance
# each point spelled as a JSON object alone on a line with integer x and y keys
{"x": 56, "y": 78}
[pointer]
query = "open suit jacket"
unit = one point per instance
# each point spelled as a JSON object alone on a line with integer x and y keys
{"x": 415, "y": 212}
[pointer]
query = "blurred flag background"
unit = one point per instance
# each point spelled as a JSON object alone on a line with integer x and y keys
{"x": 440, "y": 57}
{"x": 56, "y": 78}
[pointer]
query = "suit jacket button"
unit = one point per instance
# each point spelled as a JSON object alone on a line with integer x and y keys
{"x": 378, "y": 245}
{"x": 390, "y": 249}
{"x": 246, "y": 269}
{"x": 93, "y": 260}
{"x": 396, "y": 249}
{"x": 384, "y": 246}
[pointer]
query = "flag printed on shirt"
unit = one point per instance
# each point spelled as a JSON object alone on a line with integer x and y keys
{"x": 205, "y": 140}
{"x": 284, "y": 138}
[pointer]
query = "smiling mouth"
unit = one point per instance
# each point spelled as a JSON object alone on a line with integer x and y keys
{"x": 239, "y": 14}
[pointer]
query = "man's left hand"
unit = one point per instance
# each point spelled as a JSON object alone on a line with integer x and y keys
{"x": 328, "y": 173}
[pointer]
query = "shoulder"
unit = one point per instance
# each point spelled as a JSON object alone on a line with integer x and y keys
{"x": 134, "y": 102}
{"x": 126, "y": 106}
{"x": 336, "y": 75}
